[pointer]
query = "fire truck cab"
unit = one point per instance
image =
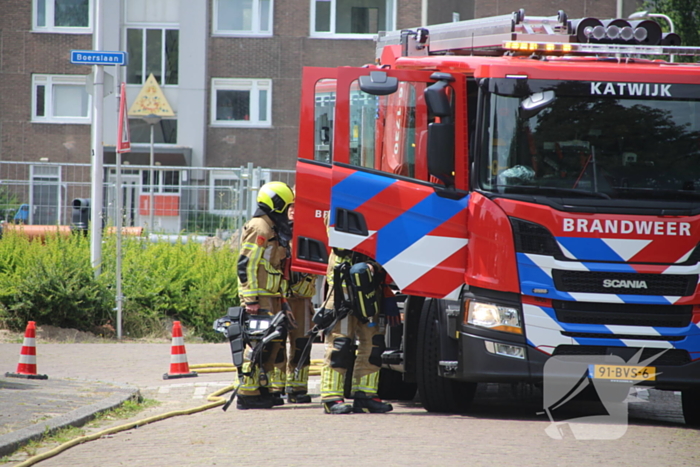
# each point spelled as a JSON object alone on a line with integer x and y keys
{"x": 532, "y": 186}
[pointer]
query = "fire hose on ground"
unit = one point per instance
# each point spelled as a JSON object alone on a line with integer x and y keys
{"x": 214, "y": 399}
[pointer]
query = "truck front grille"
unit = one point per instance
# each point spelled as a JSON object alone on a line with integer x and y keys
{"x": 625, "y": 283}
{"x": 623, "y": 314}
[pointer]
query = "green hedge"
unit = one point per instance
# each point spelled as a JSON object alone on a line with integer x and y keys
{"x": 52, "y": 282}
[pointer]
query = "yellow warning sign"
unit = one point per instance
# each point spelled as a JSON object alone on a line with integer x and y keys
{"x": 151, "y": 101}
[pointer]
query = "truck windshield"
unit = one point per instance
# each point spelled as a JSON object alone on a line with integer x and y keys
{"x": 592, "y": 139}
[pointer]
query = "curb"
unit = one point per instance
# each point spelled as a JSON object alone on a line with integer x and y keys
{"x": 11, "y": 442}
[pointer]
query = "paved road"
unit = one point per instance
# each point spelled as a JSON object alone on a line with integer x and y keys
{"x": 504, "y": 429}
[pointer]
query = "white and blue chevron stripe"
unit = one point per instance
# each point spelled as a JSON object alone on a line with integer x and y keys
{"x": 535, "y": 272}
{"x": 544, "y": 332}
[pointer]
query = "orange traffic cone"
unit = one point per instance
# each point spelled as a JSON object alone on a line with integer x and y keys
{"x": 178, "y": 357}
{"x": 27, "y": 356}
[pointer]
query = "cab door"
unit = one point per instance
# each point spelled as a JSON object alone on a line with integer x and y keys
{"x": 313, "y": 174}
{"x": 385, "y": 202}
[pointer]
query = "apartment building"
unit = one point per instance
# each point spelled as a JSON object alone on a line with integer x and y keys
{"x": 230, "y": 69}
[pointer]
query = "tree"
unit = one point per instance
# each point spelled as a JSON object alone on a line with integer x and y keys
{"x": 685, "y": 15}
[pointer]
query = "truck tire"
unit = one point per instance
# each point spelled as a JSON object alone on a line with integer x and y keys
{"x": 437, "y": 394}
{"x": 690, "y": 401}
{"x": 393, "y": 387}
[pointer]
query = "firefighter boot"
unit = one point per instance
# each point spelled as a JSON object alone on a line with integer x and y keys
{"x": 366, "y": 404}
{"x": 275, "y": 398}
{"x": 298, "y": 398}
{"x": 337, "y": 407}
{"x": 252, "y": 402}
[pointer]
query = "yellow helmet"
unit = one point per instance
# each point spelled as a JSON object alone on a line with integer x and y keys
{"x": 276, "y": 195}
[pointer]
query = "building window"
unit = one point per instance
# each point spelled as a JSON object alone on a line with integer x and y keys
{"x": 63, "y": 16}
{"x": 60, "y": 99}
{"x": 171, "y": 181}
{"x": 152, "y": 50}
{"x": 325, "y": 114}
{"x": 241, "y": 102}
{"x": 165, "y": 181}
{"x": 351, "y": 17}
{"x": 164, "y": 132}
{"x": 242, "y": 17}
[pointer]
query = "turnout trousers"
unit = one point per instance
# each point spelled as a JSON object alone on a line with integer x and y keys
{"x": 340, "y": 345}
{"x": 302, "y": 311}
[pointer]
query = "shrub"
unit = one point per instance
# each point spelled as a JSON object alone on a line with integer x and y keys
{"x": 54, "y": 283}
{"x": 51, "y": 283}
{"x": 162, "y": 282}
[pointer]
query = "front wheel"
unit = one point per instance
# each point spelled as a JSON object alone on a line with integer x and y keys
{"x": 436, "y": 393}
{"x": 690, "y": 401}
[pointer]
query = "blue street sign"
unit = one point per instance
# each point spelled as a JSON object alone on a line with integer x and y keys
{"x": 98, "y": 57}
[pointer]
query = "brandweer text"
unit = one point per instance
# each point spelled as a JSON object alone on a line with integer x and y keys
{"x": 614, "y": 226}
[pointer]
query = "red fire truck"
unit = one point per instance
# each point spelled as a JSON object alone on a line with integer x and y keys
{"x": 532, "y": 186}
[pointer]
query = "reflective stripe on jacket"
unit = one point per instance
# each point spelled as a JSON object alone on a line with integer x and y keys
{"x": 303, "y": 285}
{"x": 260, "y": 261}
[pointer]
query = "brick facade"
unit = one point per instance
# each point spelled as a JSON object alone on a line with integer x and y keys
{"x": 279, "y": 58}
{"x": 574, "y": 9}
{"x": 22, "y": 53}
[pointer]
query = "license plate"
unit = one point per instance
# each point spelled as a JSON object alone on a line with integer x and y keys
{"x": 622, "y": 372}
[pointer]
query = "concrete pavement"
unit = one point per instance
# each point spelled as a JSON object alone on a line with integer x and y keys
{"x": 86, "y": 379}
{"x": 31, "y": 407}
{"x": 500, "y": 430}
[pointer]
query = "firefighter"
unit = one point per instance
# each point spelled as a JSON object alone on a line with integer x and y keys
{"x": 262, "y": 288}
{"x": 350, "y": 325}
{"x": 301, "y": 289}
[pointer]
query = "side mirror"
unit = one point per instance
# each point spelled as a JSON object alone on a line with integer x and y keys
{"x": 441, "y": 151}
{"x": 436, "y": 97}
{"x": 378, "y": 83}
{"x": 441, "y": 135}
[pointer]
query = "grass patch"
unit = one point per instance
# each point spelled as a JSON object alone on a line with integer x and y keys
{"x": 57, "y": 437}
{"x": 125, "y": 411}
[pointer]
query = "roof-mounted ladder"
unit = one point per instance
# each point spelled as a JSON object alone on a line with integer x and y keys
{"x": 516, "y": 33}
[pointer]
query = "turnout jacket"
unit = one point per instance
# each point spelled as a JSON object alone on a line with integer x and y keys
{"x": 302, "y": 285}
{"x": 261, "y": 262}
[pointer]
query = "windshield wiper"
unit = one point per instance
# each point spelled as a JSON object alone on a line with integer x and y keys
{"x": 552, "y": 189}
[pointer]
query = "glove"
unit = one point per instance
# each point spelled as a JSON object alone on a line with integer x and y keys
{"x": 252, "y": 309}
{"x": 291, "y": 322}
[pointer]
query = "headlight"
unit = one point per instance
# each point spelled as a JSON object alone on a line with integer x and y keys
{"x": 488, "y": 315}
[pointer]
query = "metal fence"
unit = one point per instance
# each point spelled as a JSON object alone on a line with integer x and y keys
{"x": 179, "y": 200}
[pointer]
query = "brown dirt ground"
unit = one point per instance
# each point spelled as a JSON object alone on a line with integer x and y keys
{"x": 53, "y": 334}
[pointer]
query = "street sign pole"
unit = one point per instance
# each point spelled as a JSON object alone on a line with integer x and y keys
{"x": 151, "y": 106}
{"x": 98, "y": 59}
{"x": 97, "y": 149}
{"x": 123, "y": 145}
